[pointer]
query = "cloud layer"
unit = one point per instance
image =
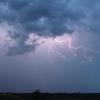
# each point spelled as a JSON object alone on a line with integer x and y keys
{"x": 46, "y": 18}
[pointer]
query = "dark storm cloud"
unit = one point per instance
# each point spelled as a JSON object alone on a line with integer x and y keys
{"x": 45, "y": 18}
{"x": 38, "y": 16}
{"x": 91, "y": 9}
{"x": 22, "y": 49}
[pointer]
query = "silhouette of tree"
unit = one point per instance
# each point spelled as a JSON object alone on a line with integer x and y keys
{"x": 36, "y": 94}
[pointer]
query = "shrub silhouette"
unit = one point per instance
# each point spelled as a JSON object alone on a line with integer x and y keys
{"x": 37, "y": 94}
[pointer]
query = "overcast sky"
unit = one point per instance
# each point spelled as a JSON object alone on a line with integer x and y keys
{"x": 51, "y": 45}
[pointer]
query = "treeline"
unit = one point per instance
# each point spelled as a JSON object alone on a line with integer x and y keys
{"x": 37, "y": 95}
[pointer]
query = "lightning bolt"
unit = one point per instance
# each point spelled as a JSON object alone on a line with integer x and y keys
{"x": 68, "y": 44}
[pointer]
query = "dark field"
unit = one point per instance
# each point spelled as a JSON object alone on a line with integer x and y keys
{"x": 49, "y": 96}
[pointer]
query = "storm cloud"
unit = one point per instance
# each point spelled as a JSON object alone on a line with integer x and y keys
{"x": 46, "y": 18}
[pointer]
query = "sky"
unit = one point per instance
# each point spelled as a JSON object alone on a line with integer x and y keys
{"x": 51, "y": 45}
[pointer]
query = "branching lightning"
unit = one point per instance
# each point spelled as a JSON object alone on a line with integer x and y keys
{"x": 65, "y": 42}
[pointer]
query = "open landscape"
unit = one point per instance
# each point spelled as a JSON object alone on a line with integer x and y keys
{"x": 51, "y": 45}
{"x": 49, "y": 96}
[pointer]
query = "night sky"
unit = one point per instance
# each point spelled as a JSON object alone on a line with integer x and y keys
{"x": 51, "y": 45}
